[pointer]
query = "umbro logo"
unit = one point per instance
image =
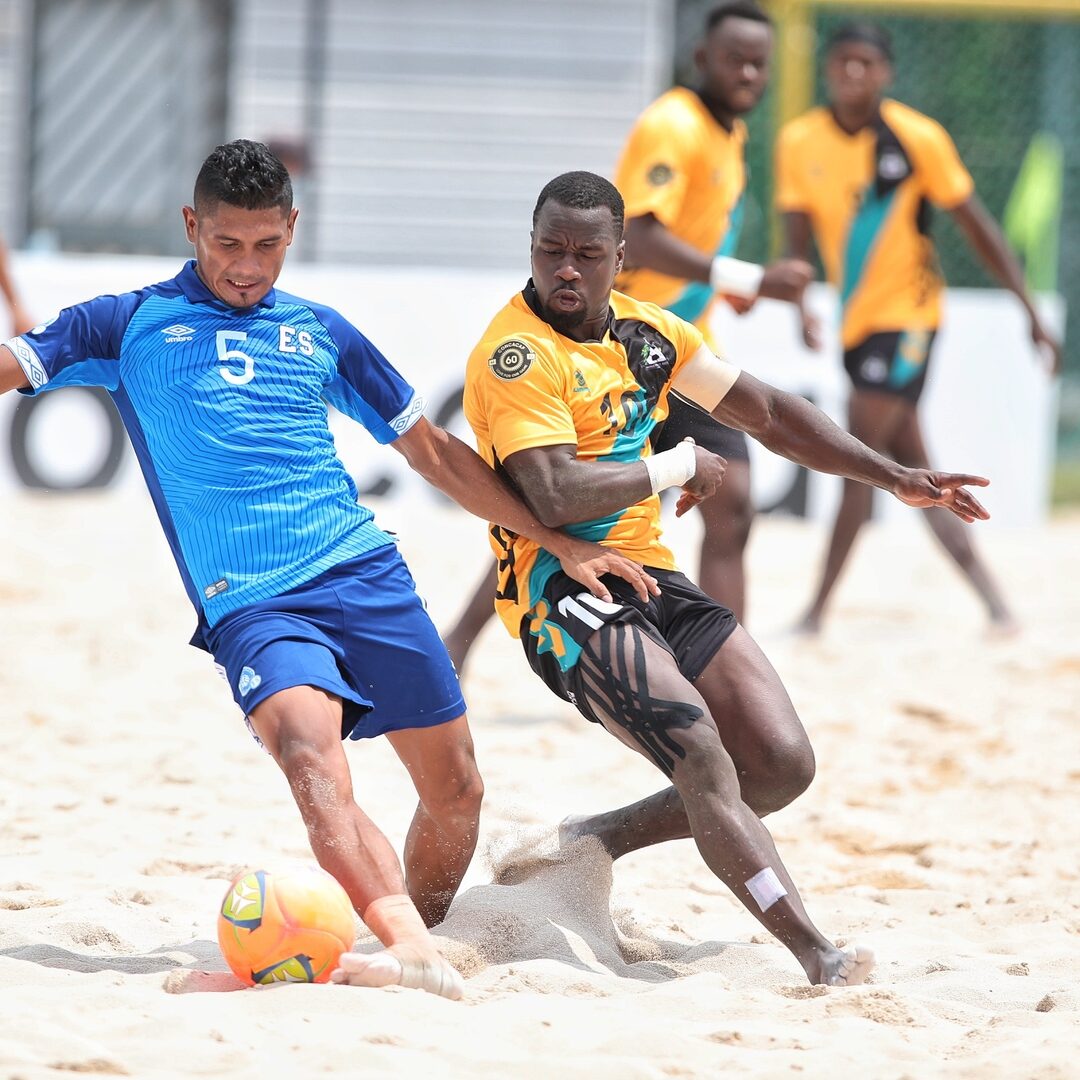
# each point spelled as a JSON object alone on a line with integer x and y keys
{"x": 178, "y": 332}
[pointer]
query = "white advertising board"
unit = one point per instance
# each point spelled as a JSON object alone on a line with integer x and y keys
{"x": 989, "y": 406}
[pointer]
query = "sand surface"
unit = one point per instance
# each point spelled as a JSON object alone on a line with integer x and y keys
{"x": 942, "y": 831}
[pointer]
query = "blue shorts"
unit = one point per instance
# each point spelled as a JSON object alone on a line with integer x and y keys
{"x": 359, "y": 631}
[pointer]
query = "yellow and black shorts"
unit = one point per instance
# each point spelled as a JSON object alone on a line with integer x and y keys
{"x": 683, "y": 620}
{"x": 891, "y": 363}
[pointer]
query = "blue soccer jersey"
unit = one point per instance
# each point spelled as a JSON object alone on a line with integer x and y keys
{"x": 227, "y": 411}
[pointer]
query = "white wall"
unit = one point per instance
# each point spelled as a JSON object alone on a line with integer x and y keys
{"x": 988, "y": 408}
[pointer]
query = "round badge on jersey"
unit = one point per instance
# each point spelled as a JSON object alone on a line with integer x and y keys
{"x": 893, "y": 166}
{"x": 660, "y": 174}
{"x": 511, "y": 359}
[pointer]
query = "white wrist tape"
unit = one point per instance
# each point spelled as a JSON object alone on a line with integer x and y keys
{"x": 673, "y": 467}
{"x": 735, "y": 277}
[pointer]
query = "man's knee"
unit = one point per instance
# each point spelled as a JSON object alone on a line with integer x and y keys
{"x": 784, "y": 769}
{"x": 457, "y": 798}
{"x": 727, "y": 522}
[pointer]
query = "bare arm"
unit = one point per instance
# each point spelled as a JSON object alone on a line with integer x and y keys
{"x": 11, "y": 375}
{"x": 649, "y": 243}
{"x": 798, "y": 236}
{"x": 20, "y": 319}
{"x": 790, "y": 426}
{"x": 460, "y": 473}
{"x": 562, "y": 489}
{"x": 986, "y": 240}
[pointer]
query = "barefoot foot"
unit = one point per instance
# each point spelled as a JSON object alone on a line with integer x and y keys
{"x": 841, "y": 967}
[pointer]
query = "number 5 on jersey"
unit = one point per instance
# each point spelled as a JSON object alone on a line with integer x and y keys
{"x": 227, "y": 355}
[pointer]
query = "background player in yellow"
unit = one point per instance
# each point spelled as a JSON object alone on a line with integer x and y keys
{"x": 683, "y": 176}
{"x": 861, "y": 175}
{"x": 563, "y": 392}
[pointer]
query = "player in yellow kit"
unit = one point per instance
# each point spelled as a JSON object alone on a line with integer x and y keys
{"x": 682, "y": 175}
{"x": 862, "y": 176}
{"x": 563, "y": 392}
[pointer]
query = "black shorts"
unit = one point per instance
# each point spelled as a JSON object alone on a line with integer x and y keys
{"x": 687, "y": 419}
{"x": 893, "y": 363}
{"x": 683, "y": 620}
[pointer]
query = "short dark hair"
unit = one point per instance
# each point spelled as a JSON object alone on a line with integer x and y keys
{"x": 245, "y": 174}
{"x": 583, "y": 191}
{"x": 736, "y": 9}
{"x": 864, "y": 33}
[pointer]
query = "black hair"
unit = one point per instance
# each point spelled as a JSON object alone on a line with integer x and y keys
{"x": 736, "y": 9}
{"x": 583, "y": 191}
{"x": 863, "y": 33}
{"x": 245, "y": 174}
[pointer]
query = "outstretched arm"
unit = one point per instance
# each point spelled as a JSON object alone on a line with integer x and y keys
{"x": 789, "y": 425}
{"x": 986, "y": 240}
{"x": 461, "y": 474}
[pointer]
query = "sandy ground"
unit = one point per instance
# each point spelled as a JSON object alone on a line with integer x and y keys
{"x": 942, "y": 830}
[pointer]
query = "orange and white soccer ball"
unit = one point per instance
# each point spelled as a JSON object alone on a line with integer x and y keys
{"x": 283, "y": 927}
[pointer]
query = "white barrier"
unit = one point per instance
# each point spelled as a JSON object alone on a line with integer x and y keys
{"x": 988, "y": 406}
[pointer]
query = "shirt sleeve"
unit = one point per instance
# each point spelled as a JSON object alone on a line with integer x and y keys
{"x": 515, "y": 398}
{"x": 654, "y": 171}
{"x": 365, "y": 385}
{"x": 945, "y": 180}
{"x": 79, "y": 347}
{"x": 790, "y": 194}
{"x": 687, "y": 339}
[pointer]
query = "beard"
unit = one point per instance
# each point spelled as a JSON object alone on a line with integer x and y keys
{"x": 562, "y": 321}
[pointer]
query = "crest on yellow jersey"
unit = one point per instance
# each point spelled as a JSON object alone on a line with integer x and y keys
{"x": 511, "y": 359}
{"x": 660, "y": 174}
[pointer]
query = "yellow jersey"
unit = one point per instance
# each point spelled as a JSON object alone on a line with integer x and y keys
{"x": 686, "y": 169}
{"x": 526, "y": 385}
{"x": 868, "y": 197}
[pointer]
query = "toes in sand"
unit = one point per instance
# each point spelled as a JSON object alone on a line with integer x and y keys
{"x": 850, "y": 967}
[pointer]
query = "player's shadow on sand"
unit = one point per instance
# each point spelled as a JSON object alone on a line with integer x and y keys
{"x": 201, "y": 955}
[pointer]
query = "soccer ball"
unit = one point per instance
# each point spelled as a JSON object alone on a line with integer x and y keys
{"x": 285, "y": 927}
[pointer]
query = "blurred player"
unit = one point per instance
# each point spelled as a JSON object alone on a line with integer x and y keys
{"x": 563, "y": 392}
{"x": 682, "y": 173}
{"x": 861, "y": 176}
{"x": 683, "y": 176}
{"x": 307, "y": 607}
{"x": 19, "y": 316}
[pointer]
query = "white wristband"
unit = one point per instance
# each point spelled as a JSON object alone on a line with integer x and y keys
{"x": 735, "y": 277}
{"x": 673, "y": 467}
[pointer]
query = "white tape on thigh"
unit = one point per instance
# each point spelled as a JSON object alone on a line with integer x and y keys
{"x": 765, "y": 888}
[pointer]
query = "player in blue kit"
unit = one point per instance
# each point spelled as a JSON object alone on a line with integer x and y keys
{"x": 222, "y": 382}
